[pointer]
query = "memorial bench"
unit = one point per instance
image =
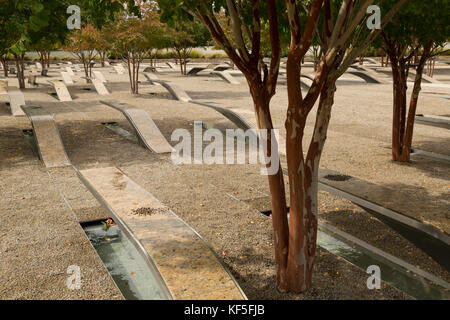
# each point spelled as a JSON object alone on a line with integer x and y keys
{"x": 50, "y": 145}
{"x": 148, "y": 133}
{"x": 186, "y": 263}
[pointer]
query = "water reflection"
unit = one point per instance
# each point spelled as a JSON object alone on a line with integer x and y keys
{"x": 125, "y": 264}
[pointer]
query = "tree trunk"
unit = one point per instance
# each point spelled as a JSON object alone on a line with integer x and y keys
{"x": 276, "y": 185}
{"x": 43, "y": 60}
{"x": 303, "y": 183}
{"x": 20, "y": 69}
{"x": 403, "y": 118}
{"x": 130, "y": 73}
{"x": 102, "y": 58}
{"x": 407, "y": 143}
{"x": 5, "y": 65}
{"x": 85, "y": 63}
{"x": 48, "y": 59}
{"x": 399, "y": 73}
{"x": 361, "y": 60}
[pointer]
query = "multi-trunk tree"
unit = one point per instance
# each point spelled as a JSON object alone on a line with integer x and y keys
{"x": 415, "y": 36}
{"x": 131, "y": 45}
{"x": 184, "y": 36}
{"x": 82, "y": 44}
{"x": 294, "y": 238}
{"x": 26, "y": 23}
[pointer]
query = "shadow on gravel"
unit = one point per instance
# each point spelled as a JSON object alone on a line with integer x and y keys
{"x": 438, "y": 145}
{"x": 14, "y": 148}
{"x": 4, "y": 110}
{"x": 217, "y": 95}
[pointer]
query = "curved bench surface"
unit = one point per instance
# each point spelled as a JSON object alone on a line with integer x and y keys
{"x": 150, "y": 76}
{"x": 244, "y": 119}
{"x": 66, "y": 78}
{"x": 51, "y": 148}
{"x": 195, "y": 71}
{"x": 189, "y": 267}
{"x": 394, "y": 207}
{"x": 367, "y": 78}
{"x": 175, "y": 90}
{"x": 100, "y": 86}
{"x": 370, "y": 73}
{"x": 3, "y": 87}
{"x": 99, "y": 75}
{"x": 226, "y": 76}
{"x": 146, "y": 129}
{"x": 16, "y": 100}
{"x": 435, "y": 121}
{"x": 119, "y": 69}
{"x": 61, "y": 90}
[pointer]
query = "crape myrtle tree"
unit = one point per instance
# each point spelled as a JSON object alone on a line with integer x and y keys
{"x": 102, "y": 15}
{"x": 103, "y": 42}
{"x": 131, "y": 45}
{"x": 5, "y": 44}
{"x": 186, "y": 35}
{"x": 417, "y": 34}
{"x": 44, "y": 45}
{"x": 135, "y": 39}
{"x": 156, "y": 32}
{"x": 24, "y": 24}
{"x": 294, "y": 239}
{"x": 82, "y": 44}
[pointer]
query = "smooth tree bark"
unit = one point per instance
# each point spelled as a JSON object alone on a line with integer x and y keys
{"x": 294, "y": 239}
{"x": 102, "y": 54}
{"x": 404, "y": 117}
{"x": 44, "y": 58}
{"x": 20, "y": 66}
{"x": 182, "y": 55}
{"x": 133, "y": 61}
{"x": 86, "y": 57}
{"x": 262, "y": 81}
{"x": 5, "y": 63}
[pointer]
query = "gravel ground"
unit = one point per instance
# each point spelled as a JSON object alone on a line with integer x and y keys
{"x": 224, "y": 212}
{"x": 39, "y": 236}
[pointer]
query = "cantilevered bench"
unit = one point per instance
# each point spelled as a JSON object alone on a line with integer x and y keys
{"x": 119, "y": 69}
{"x": 395, "y": 209}
{"x": 147, "y": 131}
{"x": 50, "y": 145}
{"x": 99, "y": 75}
{"x": 211, "y": 67}
{"x": 66, "y": 78}
{"x": 99, "y": 86}
{"x": 187, "y": 264}
{"x": 171, "y": 65}
{"x": 226, "y": 76}
{"x": 16, "y": 100}
{"x": 174, "y": 89}
{"x": 435, "y": 121}
{"x": 3, "y": 87}
{"x": 70, "y": 71}
{"x": 242, "y": 118}
{"x": 151, "y": 77}
{"x": 61, "y": 90}
{"x": 367, "y": 74}
{"x": 388, "y": 207}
